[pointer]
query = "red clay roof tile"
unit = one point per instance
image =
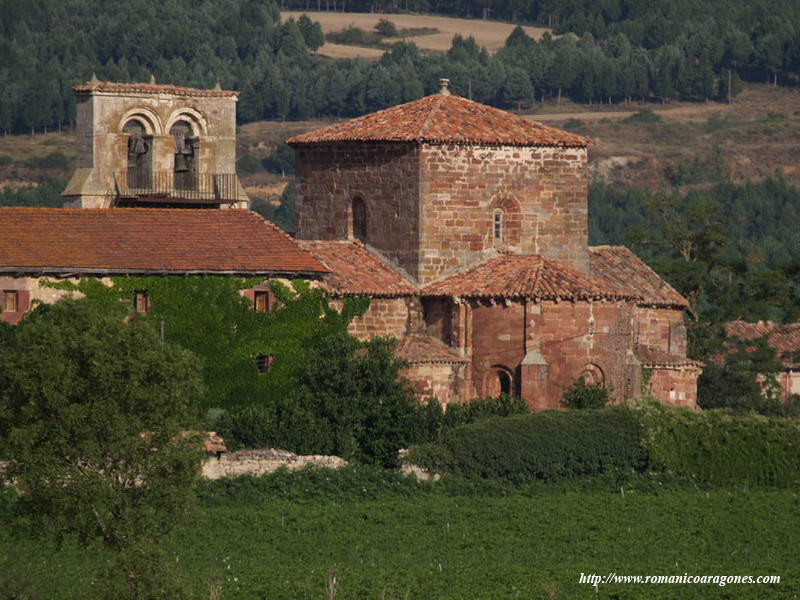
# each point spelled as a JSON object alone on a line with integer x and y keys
{"x": 444, "y": 118}
{"x": 785, "y": 339}
{"x": 519, "y": 276}
{"x": 653, "y": 357}
{"x": 138, "y": 240}
{"x": 418, "y": 349}
{"x": 150, "y": 88}
{"x": 620, "y": 266}
{"x": 355, "y": 271}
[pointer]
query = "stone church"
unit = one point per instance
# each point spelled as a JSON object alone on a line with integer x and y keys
{"x": 465, "y": 225}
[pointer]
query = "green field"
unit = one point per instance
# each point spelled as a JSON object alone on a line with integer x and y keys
{"x": 280, "y": 538}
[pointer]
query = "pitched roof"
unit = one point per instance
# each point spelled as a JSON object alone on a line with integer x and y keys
{"x": 147, "y": 240}
{"x": 150, "y": 88}
{"x": 355, "y": 271}
{"x": 620, "y": 266}
{"x": 653, "y": 357}
{"x": 785, "y": 339}
{"x": 444, "y": 118}
{"x": 520, "y": 276}
{"x": 419, "y": 349}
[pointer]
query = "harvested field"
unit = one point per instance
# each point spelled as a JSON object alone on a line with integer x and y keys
{"x": 491, "y": 34}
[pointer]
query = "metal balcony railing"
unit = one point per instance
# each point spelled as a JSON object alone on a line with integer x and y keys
{"x": 169, "y": 186}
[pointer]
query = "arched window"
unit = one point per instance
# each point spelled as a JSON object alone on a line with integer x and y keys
{"x": 498, "y": 227}
{"x": 360, "y": 224}
{"x": 592, "y": 375}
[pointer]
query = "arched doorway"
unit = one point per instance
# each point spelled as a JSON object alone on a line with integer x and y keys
{"x": 499, "y": 380}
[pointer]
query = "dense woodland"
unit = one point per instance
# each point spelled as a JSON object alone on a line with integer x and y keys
{"x": 620, "y": 50}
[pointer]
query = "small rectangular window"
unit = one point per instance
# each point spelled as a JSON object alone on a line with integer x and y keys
{"x": 264, "y": 362}
{"x": 498, "y": 226}
{"x": 141, "y": 301}
{"x": 11, "y": 301}
{"x": 262, "y": 302}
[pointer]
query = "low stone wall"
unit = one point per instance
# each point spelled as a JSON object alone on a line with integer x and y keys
{"x": 260, "y": 462}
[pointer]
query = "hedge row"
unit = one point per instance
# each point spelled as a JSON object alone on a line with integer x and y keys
{"x": 720, "y": 449}
{"x": 709, "y": 447}
{"x": 549, "y": 446}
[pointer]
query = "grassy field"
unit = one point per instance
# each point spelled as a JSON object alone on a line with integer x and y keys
{"x": 491, "y": 34}
{"x": 389, "y": 539}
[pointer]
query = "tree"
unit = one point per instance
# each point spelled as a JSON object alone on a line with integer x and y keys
{"x": 93, "y": 406}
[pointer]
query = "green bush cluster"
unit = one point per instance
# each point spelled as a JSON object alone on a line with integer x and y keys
{"x": 53, "y": 161}
{"x": 710, "y": 447}
{"x": 586, "y": 395}
{"x": 717, "y": 448}
{"x": 549, "y": 445}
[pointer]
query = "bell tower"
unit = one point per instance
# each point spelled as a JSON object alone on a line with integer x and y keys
{"x": 144, "y": 144}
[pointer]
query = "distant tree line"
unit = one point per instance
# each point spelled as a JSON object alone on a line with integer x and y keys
{"x": 625, "y": 50}
{"x": 732, "y": 250}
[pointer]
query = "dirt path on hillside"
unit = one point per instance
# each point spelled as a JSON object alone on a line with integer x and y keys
{"x": 684, "y": 113}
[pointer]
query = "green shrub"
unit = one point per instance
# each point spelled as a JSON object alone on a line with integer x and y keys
{"x": 386, "y": 28}
{"x": 54, "y": 160}
{"x": 248, "y": 164}
{"x": 280, "y": 160}
{"x": 549, "y": 445}
{"x": 585, "y": 395}
{"x": 720, "y": 449}
{"x": 643, "y": 116}
{"x": 5, "y": 160}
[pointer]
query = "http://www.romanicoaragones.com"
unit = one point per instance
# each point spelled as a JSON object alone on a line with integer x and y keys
{"x": 720, "y": 580}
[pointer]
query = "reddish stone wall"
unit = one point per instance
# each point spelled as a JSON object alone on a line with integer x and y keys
{"x": 462, "y": 185}
{"x": 661, "y": 328}
{"x": 443, "y": 381}
{"x": 561, "y": 340}
{"x": 675, "y": 387}
{"x": 384, "y": 317}
{"x": 384, "y": 175}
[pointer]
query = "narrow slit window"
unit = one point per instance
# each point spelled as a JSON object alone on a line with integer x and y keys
{"x": 11, "y": 301}
{"x": 498, "y": 226}
{"x": 141, "y": 301}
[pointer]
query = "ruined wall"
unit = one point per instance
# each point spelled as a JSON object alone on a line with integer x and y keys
{"x": 102, "y": 148}
{"x": 444, "y": 381}
{"x": 675, "y": 387}
{"x": 661, "y": 328}
{"x": 541, "y": 191}
{"x": 384, "y": 175}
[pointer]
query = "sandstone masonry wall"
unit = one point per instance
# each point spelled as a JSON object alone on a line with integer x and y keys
{"x": 384, "y": 175}
{"x": 542, "y": 193}
{"x": 661, "y": 328}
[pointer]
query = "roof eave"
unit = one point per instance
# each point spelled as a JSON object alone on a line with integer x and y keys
{"x": 66, "y": 272}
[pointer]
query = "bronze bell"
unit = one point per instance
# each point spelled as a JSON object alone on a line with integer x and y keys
{"x": 181, "y": 165}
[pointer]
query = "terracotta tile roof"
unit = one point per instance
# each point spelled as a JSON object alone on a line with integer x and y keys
{"x": 418, "y": 349}
{"x": 150, "y": 88}
{"x": 444, "y": 118}
{"x": 620, "y": 266}
{"x": 653, "y": 357}
{"x": 517, "y": 276}
{"x": 785, "y": 339}
{"x": 147, "y": 240}
{"x": 355, "y": 271}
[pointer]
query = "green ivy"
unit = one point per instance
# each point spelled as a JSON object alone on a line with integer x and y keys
{"x": 210, "y": 317}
